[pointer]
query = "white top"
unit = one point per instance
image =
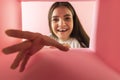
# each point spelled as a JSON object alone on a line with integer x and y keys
{"x": 72, "y": 42}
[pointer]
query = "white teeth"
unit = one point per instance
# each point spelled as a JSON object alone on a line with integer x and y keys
{"x": 62, "y": 30}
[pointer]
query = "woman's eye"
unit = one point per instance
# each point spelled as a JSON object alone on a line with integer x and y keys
{"x": 67, "y": 18}
{"x": 55, "y": 20}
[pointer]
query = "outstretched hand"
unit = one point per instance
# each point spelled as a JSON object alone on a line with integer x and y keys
{"x": 33, "y": 43}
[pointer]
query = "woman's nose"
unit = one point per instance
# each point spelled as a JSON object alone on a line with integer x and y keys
{"x": 61, "y": 23}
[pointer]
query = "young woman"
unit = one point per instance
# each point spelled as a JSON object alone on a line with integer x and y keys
{"x": 66, "y": 27}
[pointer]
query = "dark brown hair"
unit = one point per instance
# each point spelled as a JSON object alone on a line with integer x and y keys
{"x": 78, "y": 31}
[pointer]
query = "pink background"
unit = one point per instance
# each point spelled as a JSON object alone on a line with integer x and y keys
{"x": 35, "y": 15}
{"x": 99, "y": 62}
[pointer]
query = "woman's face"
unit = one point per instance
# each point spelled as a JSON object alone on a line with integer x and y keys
{"x": 62, "y": 22}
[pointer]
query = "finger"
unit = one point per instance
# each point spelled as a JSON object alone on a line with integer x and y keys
{"x": 18, "y": 59}
{"x": 21, "y": 34}
{"x": 59, "y": 46}
{"x": 24, "y": 62}
{"x": 66, "y": 45}
{"x": 36, "y": 46}
{"x": 18, "y": 47}
{"x": 51, "y": 42}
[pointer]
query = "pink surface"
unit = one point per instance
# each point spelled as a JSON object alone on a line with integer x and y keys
{"x": 10, "y": 18}
{"x": 99, "y": 62}
{"x": 107, "y": 37}
{"x": 77, "y": 64}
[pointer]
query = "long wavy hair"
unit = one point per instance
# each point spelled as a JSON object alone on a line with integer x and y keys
{"x": 78, "y": 32}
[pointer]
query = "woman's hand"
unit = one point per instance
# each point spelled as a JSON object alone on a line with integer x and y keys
{"x": 33, "y": 43}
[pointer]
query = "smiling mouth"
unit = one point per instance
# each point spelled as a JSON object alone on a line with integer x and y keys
{"x": 62, "y": 30}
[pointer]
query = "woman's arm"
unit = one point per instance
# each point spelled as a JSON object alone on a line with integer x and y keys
{"x": 33, "y": 43}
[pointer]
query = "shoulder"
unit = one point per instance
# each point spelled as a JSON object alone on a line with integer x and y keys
{"x": 73, "y": 40}
{"x": 75, "y": 43}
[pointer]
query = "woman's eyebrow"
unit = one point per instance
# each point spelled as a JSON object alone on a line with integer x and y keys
{"x": 55, "y": 16}
{"x": 67, "y": 15}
